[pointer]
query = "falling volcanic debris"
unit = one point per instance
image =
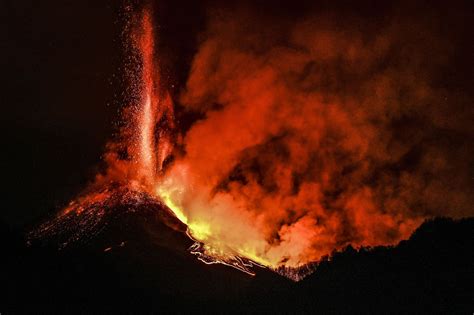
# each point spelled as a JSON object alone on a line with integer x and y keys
{"x": 291, "y": 161}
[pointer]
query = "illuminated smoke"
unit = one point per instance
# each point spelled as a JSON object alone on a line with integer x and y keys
{"x": 315, "y": 135}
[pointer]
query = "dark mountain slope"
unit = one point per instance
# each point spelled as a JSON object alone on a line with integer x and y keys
{"x": 134, "y": 262}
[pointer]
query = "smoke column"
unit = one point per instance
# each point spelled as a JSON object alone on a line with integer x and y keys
{"x": 316, "y": 134}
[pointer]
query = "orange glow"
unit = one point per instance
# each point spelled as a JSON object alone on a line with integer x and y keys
{"x": 279, "y": 174}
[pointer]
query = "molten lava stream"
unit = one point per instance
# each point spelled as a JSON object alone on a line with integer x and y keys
{"x": 151, "y": 154}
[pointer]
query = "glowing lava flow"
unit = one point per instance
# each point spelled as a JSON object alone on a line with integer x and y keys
{"x": 215, "y": 240}
{"x": 155, "y": 146}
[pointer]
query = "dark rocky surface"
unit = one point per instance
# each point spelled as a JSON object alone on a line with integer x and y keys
{"x": 137, "y": 261}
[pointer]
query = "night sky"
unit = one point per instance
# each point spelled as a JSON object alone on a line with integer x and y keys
{"x": 64, "y": 87}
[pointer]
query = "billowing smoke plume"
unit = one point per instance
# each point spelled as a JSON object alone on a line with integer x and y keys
{"x": 320, "y": 133}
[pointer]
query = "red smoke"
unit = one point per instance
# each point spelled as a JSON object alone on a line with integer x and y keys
{"x": 315, "y": 135}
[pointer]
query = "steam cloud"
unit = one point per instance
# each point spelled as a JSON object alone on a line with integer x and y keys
{"x": 321, "y": 133}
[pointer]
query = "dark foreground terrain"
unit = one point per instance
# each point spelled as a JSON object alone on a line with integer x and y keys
{"x": 135, "y": 263}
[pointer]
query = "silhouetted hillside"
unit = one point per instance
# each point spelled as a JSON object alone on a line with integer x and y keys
{"x": 137, "y": 264}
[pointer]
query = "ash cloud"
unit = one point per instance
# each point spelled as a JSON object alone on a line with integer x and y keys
{"x": 324, "y": 131}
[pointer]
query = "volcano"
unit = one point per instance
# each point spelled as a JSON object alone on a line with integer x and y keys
{"x": 110, "y": 210}
{"x": 283, "y": 161}
{"x": 275, "y": 175}
{"x": 128, "y": 252}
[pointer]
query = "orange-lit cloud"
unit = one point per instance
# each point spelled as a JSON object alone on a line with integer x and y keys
{"x": 317, "y": 134}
